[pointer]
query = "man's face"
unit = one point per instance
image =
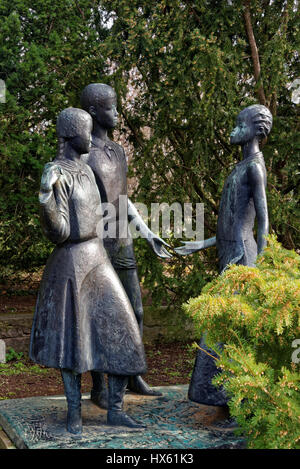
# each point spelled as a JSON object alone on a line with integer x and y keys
{"x": 106, "y": 113}
{"x": 244, "y": 130}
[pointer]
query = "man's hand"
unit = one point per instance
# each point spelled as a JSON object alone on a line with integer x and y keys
{"x": 157, "y": 244}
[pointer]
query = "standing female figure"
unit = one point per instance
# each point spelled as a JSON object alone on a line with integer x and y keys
{"x": 83, "y": 318}
{"x": 243, "y": 199}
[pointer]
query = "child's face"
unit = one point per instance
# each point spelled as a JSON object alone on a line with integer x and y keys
{"x": 106, "y": 113}
{"x": 244, "y": 130}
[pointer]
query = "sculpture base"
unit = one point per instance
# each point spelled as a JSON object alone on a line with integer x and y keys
{"x": 172, "y": 422}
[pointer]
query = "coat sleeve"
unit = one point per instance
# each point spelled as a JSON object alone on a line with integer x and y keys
{"x": 54, "y": 210}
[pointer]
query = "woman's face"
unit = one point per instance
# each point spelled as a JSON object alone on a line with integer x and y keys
{"x": 82, "y": 142}
{"x": 244, "y": 130}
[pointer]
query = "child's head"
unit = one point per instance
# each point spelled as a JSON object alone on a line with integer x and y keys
{"x": 253, "y": 121}
{"x": 100, "y": 101}
{"x": 75, "y": 126}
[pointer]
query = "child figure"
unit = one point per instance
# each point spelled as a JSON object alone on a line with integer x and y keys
{"x": 243, "y": 199}
{"x": 108, "y": 162}
{"x": 83, "y": 318}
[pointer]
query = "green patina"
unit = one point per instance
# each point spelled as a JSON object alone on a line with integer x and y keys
{"x": 172, "y": 422}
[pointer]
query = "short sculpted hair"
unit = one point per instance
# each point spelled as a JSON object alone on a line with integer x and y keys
{"x": 261, "y": 118}
{"x": 96, "y": 93}
{"x": 70, "y": 121}
{"x": 68, "y": 125}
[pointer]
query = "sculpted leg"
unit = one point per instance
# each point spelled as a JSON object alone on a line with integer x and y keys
{"x": 116, "y": 391}
{"x": 131, "y": 284}
{"x": 72, "y": 385}
{"x": 99, "y": 392}
{"x": 201, "y": 389}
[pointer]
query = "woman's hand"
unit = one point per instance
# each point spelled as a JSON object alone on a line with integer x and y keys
{"x": 51, "y": 174}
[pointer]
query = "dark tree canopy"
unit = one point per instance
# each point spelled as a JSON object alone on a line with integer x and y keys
{"x": 48, "y": 52}
{"x": 182, "y": 70}
{"x": 195, "y": 65}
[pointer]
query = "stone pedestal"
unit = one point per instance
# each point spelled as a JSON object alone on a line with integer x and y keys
{"x": 172, "y": 422}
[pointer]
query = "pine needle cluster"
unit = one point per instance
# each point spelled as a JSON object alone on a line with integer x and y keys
{"x": 255, "y": 312}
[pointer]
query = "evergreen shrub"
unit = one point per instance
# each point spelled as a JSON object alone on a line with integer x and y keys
{"x": 255, "y": 312}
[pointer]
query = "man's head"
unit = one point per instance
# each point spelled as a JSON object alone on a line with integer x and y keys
{"x": 100, "y": 101}
{"x": 253, "y": 121}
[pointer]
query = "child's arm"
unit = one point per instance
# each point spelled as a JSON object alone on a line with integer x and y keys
{"x": 257, "y": 183}
{"x": 189, "y": 247}
{"x": 157, "y": 244}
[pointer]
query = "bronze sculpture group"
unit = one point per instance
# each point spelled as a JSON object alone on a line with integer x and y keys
{"x": 89, "y": 314}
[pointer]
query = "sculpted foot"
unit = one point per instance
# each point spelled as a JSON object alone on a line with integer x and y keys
{"x": 139, "y": 386}
{"x": 118, "y": 418}
{"x": 74, "y": 422}
{"x": 100, "y": 398}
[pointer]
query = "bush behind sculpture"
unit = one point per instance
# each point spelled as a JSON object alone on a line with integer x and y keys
{"x": 256, "y": 313}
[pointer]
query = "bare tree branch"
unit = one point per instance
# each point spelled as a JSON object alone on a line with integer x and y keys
{"x": 51, "y": 26}
{"x": 80, "y": 10}
{"x": 254, "y": 51}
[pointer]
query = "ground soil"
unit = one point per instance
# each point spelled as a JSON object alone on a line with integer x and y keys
{"x": 168, "y": 364}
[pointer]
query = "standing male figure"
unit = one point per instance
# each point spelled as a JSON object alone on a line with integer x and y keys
{"x": 108, "y": 162}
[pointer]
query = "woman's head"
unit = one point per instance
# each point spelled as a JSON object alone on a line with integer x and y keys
{"x": 75, "y": 126}
{"x": 253, "y": 121}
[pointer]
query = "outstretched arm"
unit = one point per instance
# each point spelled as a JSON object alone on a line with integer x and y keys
{"x": 257, "y": 183}
{"x": 156, "y": 243}
{"x": 189, "y": 247}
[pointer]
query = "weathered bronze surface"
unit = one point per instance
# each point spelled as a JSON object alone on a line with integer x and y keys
{"x": 243, "y": 199}
{"x": 109, "y": 164}
{"x": 83, "y": 318}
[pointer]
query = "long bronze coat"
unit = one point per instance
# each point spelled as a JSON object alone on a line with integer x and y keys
{"x": 83, "y": 318}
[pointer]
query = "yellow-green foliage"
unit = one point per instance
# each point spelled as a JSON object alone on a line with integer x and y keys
{"x": 256, "y": 313}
